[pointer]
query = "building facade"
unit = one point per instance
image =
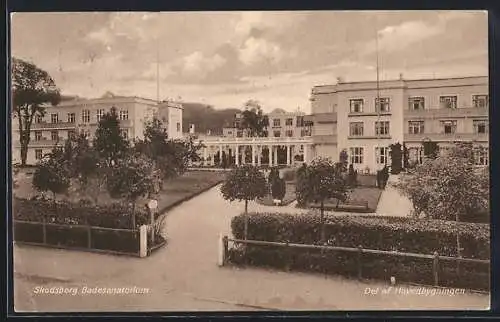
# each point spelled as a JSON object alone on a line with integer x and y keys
{"x": 82, "y": 116}
{"x": 365, "y": 118}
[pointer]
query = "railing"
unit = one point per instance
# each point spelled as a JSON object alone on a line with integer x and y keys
{"x": 250, "y": 140}
{"x": 446, "y": 112}
{"x": 435, "y": 258}
{"x": 446, "y": 137}
{"x": 57, "y": 125}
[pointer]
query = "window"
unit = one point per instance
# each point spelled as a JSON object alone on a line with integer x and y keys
{"x": 481, "y": 156}
{"x": 38, "y": 135}
{"x": 356, "y": 105}
{"x": 38, "y": 118}
{"x": 239, "y": 134}
{"x": 449, "y": 127}
{"x": 480, "y": 101}
{"x": 124, "y": 133}
{"x": 276, "y": 122}
{"x": 356, "y": 129}
{"x": 289, "y": 133}
{"x": 382, "y": 155}
{"x": 54, "y": 136}
{"x": 480, "y": 126}
{"x": 71, "y": 117}
{"x": 416, "y": 127}
{"x": 383, "y": 105}
{"x": 305, "y": 132}
{"x": 277, "y": 134}
{"x": 289, "y": 121}
{"x": 38, "y": 154}
{"x": 85, "y": 116}
{"x": 299, "y": 121}
{"x": 178, "y": 127}
{"x": 382, "y": 128}
{"x": 356, "y": 155}
{"x": 229, "y": 132}
{"x": 71, "y": 134}
{"x": 123, "y": 115}
{"x": 100, "y": 114}
{"x": 54, "y": 118}
{"x": 416, "y": 103}
{"x": 448, "y": 101}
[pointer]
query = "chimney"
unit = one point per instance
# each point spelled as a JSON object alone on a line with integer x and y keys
{"x": 400, "y": 76}
{"x": 191, "y": 128}
{"x": 340, "y": 80}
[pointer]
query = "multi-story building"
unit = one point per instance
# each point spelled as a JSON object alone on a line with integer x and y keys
{"x": 83, "y": 115}
{"x": 365, "y": 118}
{"x": 281, "y": 124}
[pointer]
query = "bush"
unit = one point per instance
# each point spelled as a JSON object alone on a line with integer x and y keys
{"x": 381, "y": 233}
{"x": 278, "y": 189}
{"x": 110, "y": 216}
{"x": 289, "y": 174}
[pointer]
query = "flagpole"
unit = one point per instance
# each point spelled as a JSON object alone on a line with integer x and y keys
{"x": 157, "y": 71}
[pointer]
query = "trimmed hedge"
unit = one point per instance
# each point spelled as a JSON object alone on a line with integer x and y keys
{"x": 110, "y": 216}
{"x": 371, "y": 232}
{"x": 380, "y": 233}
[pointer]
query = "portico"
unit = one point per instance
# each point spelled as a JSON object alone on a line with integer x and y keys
{"x": 260, "y": 148}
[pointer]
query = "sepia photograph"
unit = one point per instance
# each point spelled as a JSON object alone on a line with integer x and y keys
{"x": 250, "y": 161}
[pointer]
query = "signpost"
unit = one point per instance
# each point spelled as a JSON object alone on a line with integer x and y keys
{"x": 152, "y": 206}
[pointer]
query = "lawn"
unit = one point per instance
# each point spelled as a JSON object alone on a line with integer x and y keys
{"x": 288, "y": 199}
{"x": 174, "y": 191}
{"x": 361, "y": 199}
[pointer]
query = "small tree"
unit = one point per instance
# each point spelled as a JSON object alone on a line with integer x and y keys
{"x": 301, "y": 189}
{"x": 244, "y": 183}
{"x": 396, "y": 158}
{"x": 109, "y": 142}
{"x": 278, "y": 189}
{"x": 406, "y": 157}
{"x": 52, "y": 173}
{"x": 431, "y": 149}
{"x": 135, "y": 176}
{"x": 274, "y": 174}
{"x": 323, "y": 182}
{"x": 344, "y": 159}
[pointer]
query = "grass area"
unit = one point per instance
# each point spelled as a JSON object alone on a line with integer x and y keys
{"x": 174, "y": 190}
{"x": 288, "y": 199}
{"x": 361, "y": 199}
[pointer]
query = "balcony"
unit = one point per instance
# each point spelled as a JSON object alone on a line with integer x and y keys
{"x": 40, "y": 143}
{"x": 438, "y": 137}
{"x": 58, "y": 125}
{"x": 325, "y": 139}
{"x": 372, "y": 137}
{"x": 323, "y": 118}
{"x": 446, "y": 113}
{"x": 357, "y": 114}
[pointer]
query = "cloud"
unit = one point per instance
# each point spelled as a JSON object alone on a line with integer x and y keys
{"x": 396, "y": 38}
{"x": 255, "y": 50}
{"x": 197, "y": 62}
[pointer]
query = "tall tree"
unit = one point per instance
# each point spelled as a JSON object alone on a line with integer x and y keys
{"x": 32, "y": 90}
{"x": 52, "y": 173}
{"x": 396, "y": 158}
{"x": 244, "y": 183}
{"x": 109, "y": 141}
{"x": 254, "y": 122}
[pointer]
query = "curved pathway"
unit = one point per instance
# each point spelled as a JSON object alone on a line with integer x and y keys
{"x": 184, "y": 276}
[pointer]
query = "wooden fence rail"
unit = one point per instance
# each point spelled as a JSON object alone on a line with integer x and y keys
{"x": 436, "y": 258}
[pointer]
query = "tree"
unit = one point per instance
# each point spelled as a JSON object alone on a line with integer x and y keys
{"x": 396, "y": 158}
{"x": 406, "y": 157}
{"x": 448, "y": 187}
{"x": 431, "y": 149}
{"x": 52, "y": 173}
{"x": 301, "y": 190}
{"x": 278, "y": 189}
{"x": 244, "y": 183}
{"x": 254, "y": 122}
{"x": 344, "y": 159}
{"x": 323, "y": 182}
{"x": 32, "y": 90}
{"x": 135, "y": 176}
{"x": 109, "y": 142}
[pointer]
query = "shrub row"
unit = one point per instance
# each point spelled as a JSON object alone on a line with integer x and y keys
{"x": 371, "y": 232}
{"x": 115, "y": 215}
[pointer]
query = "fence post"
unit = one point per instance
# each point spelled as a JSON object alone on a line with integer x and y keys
{"x": 225, "y": 244}
{"x": 44, "y": 230}
{"x": 89, "y": 237}
{"x": 360, "y": 253}
{"x": 221, "y": 251}
{"x": 435, "y": 268}
{"x": 143, "y": 241}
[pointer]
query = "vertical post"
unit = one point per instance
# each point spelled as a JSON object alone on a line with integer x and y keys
{"x": 253, "y": 154}
{"x": 152, "y": 219}
{"x": 259, "y": 155}
{"x": 143, "y": 241}
{"x": 270, "y": 155}
{"x": 275, "y": 152}
{"x": 288, "y": 155}
{"x": 220, "y": 154}
{"x": 205, "y": 155}
{"x": 360, "y": 263}
{"x": 305, "y": 153}
{"x": 44, "y": 229}
{"x": 435, "y": 268}
{"x": 237, "y": 155}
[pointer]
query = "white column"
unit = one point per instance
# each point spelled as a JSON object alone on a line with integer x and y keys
{"x": 259, "y": 154}
{"x": 288, "y": 155}
{"x": 275, "y": 152}
{"x": 205, "y": 154}
{"x": 212, "y": 153}
{"x": 253, "y": 154}
{"x": 220, "y": 154}
{"x": 243, "y": 155}
{"x": 271, "y": 155}
{"x": 237, "y": 155}
{"x": 305, "y": 153}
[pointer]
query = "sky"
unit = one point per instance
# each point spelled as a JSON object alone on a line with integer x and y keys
{"x": 227, "y": 58}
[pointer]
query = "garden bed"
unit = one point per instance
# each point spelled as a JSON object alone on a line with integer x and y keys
{"x": 288, "y": 199}
{"x": 361, "y": 199}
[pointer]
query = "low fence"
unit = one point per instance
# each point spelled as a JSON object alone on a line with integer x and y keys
{"x": 435, "y": 259}
{"x": 132, "y": 242}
